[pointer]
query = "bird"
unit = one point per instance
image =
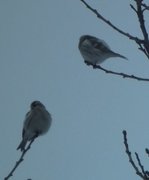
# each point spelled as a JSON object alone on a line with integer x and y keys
{"x": 37, "y": 122}
{"x": 95, "y": 51}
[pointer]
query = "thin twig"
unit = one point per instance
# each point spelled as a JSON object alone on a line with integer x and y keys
{"x": 141, "y": 47}
{"x": 141, "y": 19}
{"x": 145, "y": 6}
{"x": 144, "y": 47}
{"x": 133, "y": 8}
{"x": 139, "y": 11}
{"x": 142, "y": 24}
{"x": 141, "y": 166}
{"x": 136, "y": 39}
{"x": 129, "y": 155}
{"x": 147, "y": 151}
{"x": 117, "y": 73}
{"x": 20, "y": 159}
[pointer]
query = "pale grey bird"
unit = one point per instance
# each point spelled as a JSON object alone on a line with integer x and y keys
{"x": 95, "y": 51}
{"x": 37, "y": 122}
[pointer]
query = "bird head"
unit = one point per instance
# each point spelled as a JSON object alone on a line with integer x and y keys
{"x": 36, "y": 103}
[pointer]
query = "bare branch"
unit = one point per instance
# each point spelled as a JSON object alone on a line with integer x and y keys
{"x": 142, "y": 24}
{"x": 141, "y": 47}
{"x": 110, "y": 24}
{"x": 145, "y": 6}
{"x": 147, "y": 151}
{"x": 139, "y": 11}
{"x": 129, "y": 155}
{"x": 20, "y": 159}
{"x": 141, "y": 166}
{"x": 133, "y": 8}
{"x": 117, "y": 73}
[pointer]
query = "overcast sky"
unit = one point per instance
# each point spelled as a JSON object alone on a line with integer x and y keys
{"x": 40, "y": 60}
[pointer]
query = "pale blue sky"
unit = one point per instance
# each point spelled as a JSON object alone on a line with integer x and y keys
{"x": 39, "y": 60}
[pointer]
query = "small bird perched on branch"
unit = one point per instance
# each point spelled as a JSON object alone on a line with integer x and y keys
{"x": 95, "y": 51}
{"x": 37, "y": 122}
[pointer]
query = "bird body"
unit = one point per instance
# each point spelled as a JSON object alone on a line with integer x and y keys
{"x": 95, "y": 51}
{"x": 37, "y": 122}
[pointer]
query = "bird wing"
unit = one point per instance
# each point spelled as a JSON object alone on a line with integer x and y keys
{"x": 26, "y": 122}
{"x": 100, "y": 45}
{"x": 23, "y": 132}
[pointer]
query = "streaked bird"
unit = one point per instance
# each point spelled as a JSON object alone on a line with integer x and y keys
{"x": 37, "y": 122}
{"x": 95, "y": 51}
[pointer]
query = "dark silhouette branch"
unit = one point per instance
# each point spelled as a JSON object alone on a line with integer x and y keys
{"x": 110, "y": 24}
{"x": 141, "y": 19}
{"x": 142, "y": 43}
{"x": 117, "y": 73}
{"x": 139, "y": 10}
{"x": 129, "y": 155}
{"x": 140, "y": 165}
{"x": 144, "y": 6}
{"x": 143, "y": 174}
{"x": 147, "y": 151}
{"x": 20, "y": 159}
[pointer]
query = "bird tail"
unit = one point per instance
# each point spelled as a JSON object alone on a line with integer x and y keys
{"x": 119, "y": 55}
{"x": 22, "y": 145}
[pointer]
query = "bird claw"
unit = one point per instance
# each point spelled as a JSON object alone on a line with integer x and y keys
{"x": 94, "y": 66}
{"x": 90, "y": 64}
{"x": 87, "y": 63}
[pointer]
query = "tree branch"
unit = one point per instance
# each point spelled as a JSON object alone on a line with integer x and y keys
{"x": 117, "y": 73}
{"x": 141, "y": 166}
{"x": 110, "y": 24}
{"x": 129, "y": 155}
{"x": 139, "y": 11}
{"x": 20, "y": 159}
{"x": 145, "y": 6}
{"x": 144, "y": 174}
{"x": 141, "y": 42}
